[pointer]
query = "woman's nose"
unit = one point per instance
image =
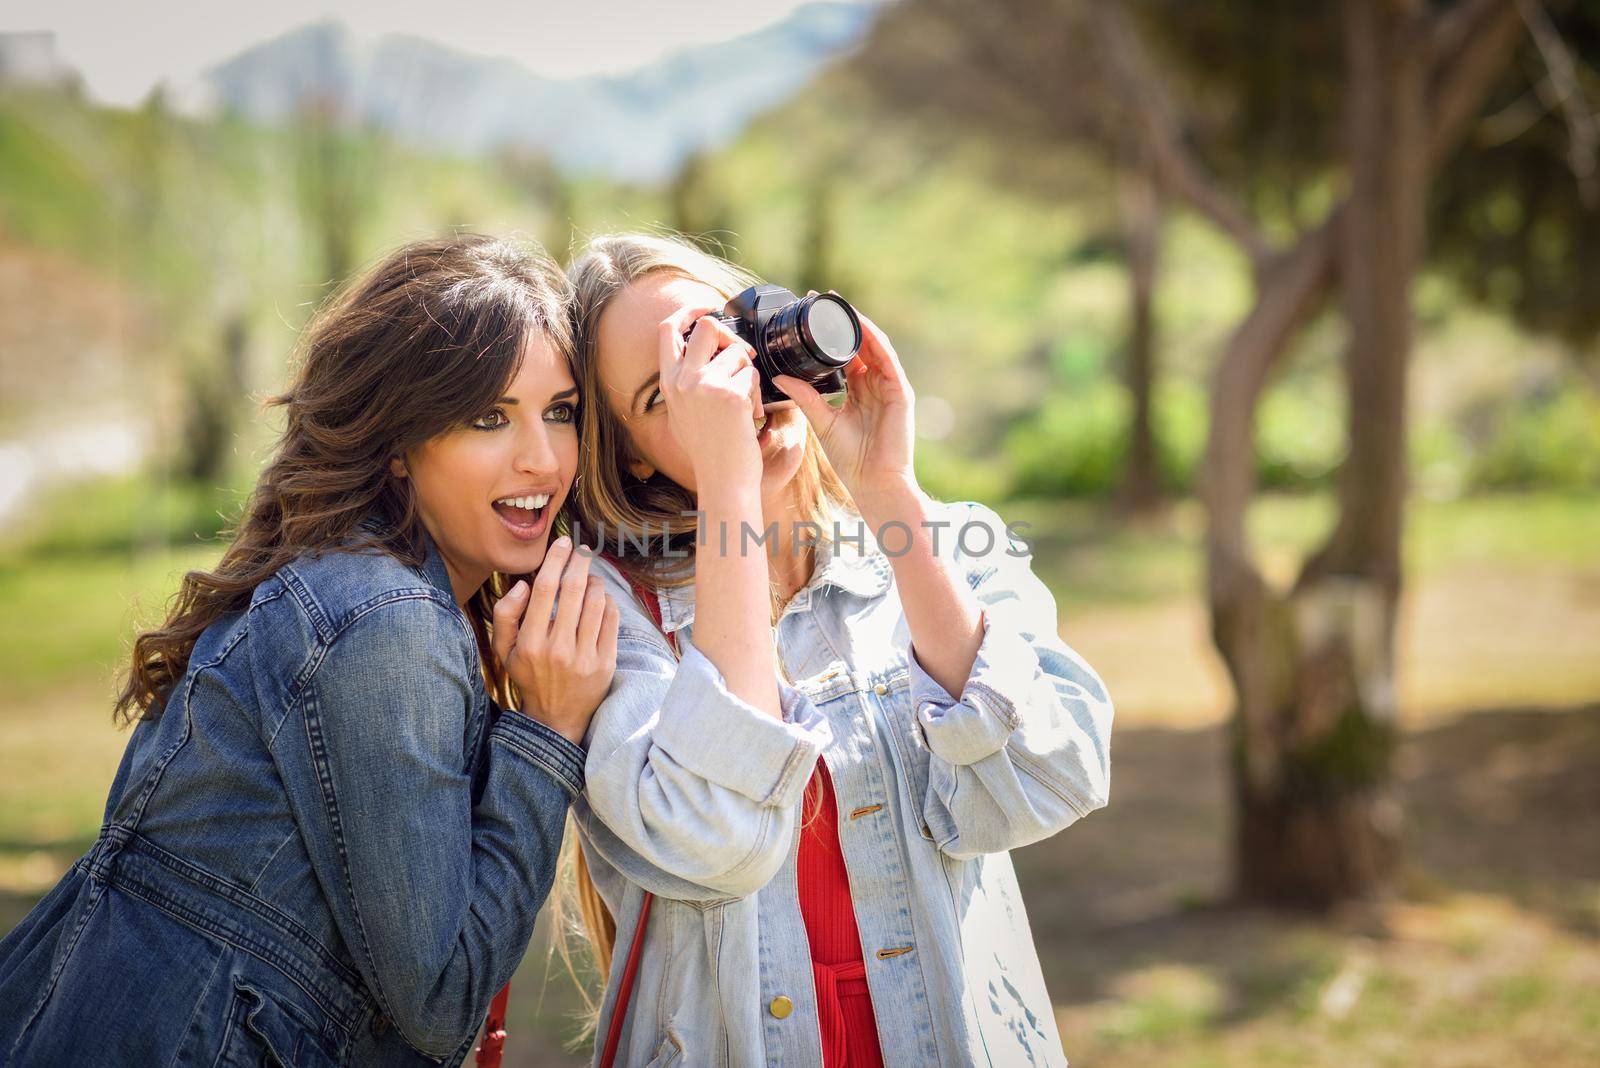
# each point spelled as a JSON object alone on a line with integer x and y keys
{"x": 534, "y": 452}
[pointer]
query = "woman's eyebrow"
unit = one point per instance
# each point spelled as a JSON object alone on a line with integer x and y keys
{"x": 655, "y": 377}
{"x": 570, "y": 391}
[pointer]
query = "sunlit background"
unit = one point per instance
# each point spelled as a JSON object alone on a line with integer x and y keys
{"x": 1151, "y": 266}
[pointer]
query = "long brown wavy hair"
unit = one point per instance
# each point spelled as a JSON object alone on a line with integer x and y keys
{"x": 422, "y": 343}
{"x": 608, "y": 498}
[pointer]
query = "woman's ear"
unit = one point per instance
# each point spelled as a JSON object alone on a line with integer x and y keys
{"x": 397, "y": 467}
{"x": 638, "y": 466}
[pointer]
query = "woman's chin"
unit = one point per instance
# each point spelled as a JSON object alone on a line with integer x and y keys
{"x": 780, "y": 466}
{"x": 523, "y": 560}
{"x": 783, "y": 447}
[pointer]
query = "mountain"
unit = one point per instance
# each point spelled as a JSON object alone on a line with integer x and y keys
{"x": 636, "y": 126}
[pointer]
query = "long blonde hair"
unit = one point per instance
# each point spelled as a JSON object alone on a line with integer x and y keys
{"x": 607, "y": 497}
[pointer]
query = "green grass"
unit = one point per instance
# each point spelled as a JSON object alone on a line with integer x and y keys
{"x": 69, "y": 620}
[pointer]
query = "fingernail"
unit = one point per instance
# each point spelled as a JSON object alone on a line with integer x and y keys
{"x": 562, "y": 542}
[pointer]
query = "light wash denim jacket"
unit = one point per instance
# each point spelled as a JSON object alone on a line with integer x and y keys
{"x": 328, "y": 850}
{"x": 695, "y": 796}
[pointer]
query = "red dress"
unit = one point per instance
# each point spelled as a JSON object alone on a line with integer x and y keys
{"x": 844, "y": 1005}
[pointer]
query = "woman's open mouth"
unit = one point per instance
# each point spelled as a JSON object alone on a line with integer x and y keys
{"x": 525, "y": 517}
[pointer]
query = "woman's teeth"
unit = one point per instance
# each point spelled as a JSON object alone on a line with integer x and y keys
{"x": 761, "y": 423}
{"x": 537, "y": 501}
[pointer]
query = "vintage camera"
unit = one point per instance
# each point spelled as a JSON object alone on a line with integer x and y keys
{"x": 811, "y": 338}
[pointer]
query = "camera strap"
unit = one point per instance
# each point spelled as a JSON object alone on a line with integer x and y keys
{"x": 608, "y": 1054}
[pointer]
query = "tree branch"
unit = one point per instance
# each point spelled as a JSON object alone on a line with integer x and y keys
{"x": 1296, "y": 284}
{"x": 1583, "y": 131}
{"x": 1445, "y": 33}
{"x": 1462, "y": 80}
{"x": 1159, "y": 131}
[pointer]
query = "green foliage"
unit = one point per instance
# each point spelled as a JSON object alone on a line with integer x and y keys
{"x": 1553, "y": 442}
{"x": 128, "y": 514}
{"x": 1072, "y": 445}
{"x": 1514, "y": 219}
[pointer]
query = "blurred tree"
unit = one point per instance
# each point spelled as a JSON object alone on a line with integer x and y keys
{"x": 699, "y": 211}
{"x": 213, "y": 393}
{"x": 538, "y": 177}
{"x": 1311, "y": 135}
{"x": 1141, "y": 215}
{"x": 817, "y": 262}
{"x": 1314, "y": 665}
{"x": 1017, "y": 76}
{"x": 1519, "y": 225}
{"x": 336, "y": 185}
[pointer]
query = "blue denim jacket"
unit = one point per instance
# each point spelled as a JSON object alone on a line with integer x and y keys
{"x": 694, "y": 795}
{"x": 328, "y": 850}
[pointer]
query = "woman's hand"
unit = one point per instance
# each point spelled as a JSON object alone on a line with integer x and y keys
{"x": 869, "y": 439}
{"x": 562, "y": 666}
{"x": 713, "y": 397}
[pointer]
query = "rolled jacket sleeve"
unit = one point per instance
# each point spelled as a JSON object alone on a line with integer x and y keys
{"x": 774, "y": 758}
{"x": 1025, "y": 748}
{"x": 697, "y": 789}
{"x": 979, "y": 723}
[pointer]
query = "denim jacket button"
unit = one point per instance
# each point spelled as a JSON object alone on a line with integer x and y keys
{"x": 380, "y": 1025}
{"x": 880, "y": 689}
{"x": 780, "y": 1007}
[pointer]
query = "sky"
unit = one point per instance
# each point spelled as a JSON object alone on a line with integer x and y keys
{"x": 124, "y": 48}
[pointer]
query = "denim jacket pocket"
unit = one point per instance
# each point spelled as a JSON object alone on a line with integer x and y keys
{"x": 263, "y": 1029}
{"x": 669, "y": 1052}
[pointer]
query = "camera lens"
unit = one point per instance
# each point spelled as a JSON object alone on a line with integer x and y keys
{"x": 833, "y": 329}
{"x": 810, "y": 337}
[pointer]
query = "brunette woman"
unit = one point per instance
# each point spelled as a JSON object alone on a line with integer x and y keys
{"x": 326, "y": 845}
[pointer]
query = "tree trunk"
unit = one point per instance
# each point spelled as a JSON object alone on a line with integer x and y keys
{"x": 1140, "y": 492}
{"x": 1325, "y": 824}
{"x": 1312, "y": 670}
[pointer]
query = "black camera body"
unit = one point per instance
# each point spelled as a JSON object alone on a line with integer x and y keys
{"x": 811, "y": 338}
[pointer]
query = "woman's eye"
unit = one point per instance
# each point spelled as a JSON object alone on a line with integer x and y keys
{"x": 562, "y": 413}
{"x": 493, "y": 419}
{"x": 652, "y": 400}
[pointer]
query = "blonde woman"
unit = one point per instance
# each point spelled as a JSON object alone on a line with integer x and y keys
{"x": 855, "y": 909}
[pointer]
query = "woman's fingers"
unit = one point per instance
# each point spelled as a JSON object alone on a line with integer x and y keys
{"x": 606, "y": 646}
{"x": 569, "y": 602}
{"x": 707, "y": 339}
{"x": 730, "y": 359}
{"x": 669, "y": 345}
{"x": 877, "y": 353}
{"x": 545, "y": 586}
{"x": 594, "y": 610}
{"x": 507, "y": 614}
{"x": 815, "y": 407}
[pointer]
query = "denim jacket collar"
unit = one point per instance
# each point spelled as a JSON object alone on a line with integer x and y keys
{"x": 848, "y": 558}
{"x": 433, "y": 566}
